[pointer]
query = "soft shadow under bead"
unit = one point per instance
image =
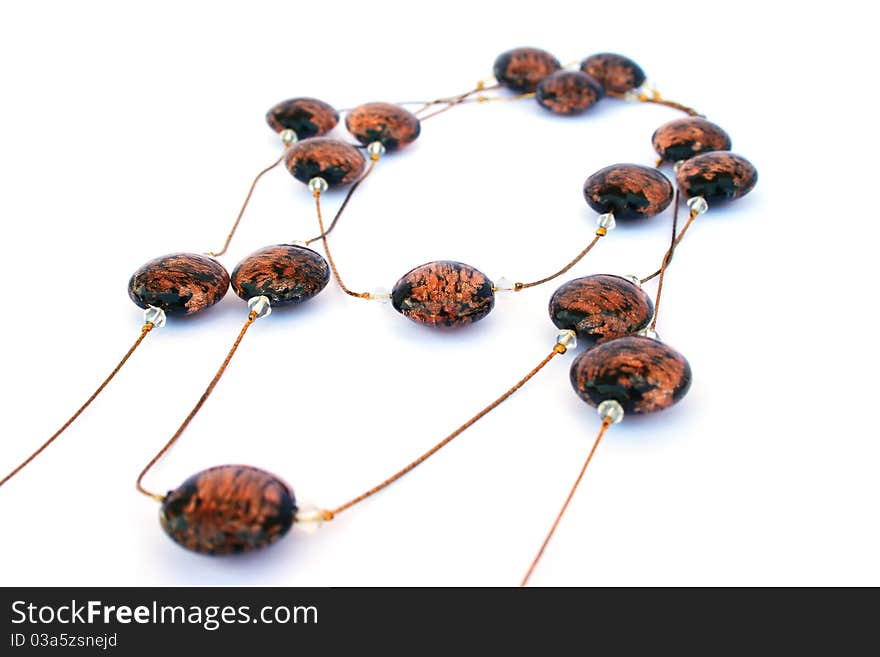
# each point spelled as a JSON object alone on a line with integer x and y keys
{"x": 629, "y": 191}
{"x": 389, "y": 124}
{"x": 521, "y": 69}
{"x": 614, "y": 72}
{"x": 717, "y": 176}
{"x": 228, "y": 509}
{"x": 682, "y": 139}
{"x": 601, "y": 306}
{"x": 642, "y": 374}
{"x": 307, "y": 117}
{"x": 444, "y": 293}
{"x": 179, "y": 283}
{"x": 284, "y": 273}
{"x": 335, "y": 161}
{"x": 568, "y": 92}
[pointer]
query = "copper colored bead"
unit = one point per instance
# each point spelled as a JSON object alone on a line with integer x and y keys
{"x": 630, "y": 191}
{"x": 307, "y": 117}
{"x": 389, "y": 124}
{"x": 179, "y": 283}
{"x": 335, "y": 161}
{"x": 601, "y": 306}
{"x": 614, "y": 72}
{"x": 681, "y": 139}
{"x": 521, "y": 69}
{"x": 284, "y": 273}
{"x": 568, "y": 92}
{"x": 228, "y": 509}
{"x": 718, "y": 176}
{"x": 444, "y": 293}
{"x": 641, "y": 374}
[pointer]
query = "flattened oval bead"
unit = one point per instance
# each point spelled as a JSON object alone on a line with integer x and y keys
{"x": 307, "y": 117}
{"x": 630, "y": 191}
{"x": 444, "y": 293}
{"x": 228, "y": 509}
{"x": 682, "y": 139}
{"x": 568, "y": 92}
{"x": 718, "y": 176}
{"x": 389, "y": 124}
{"x": 284, "y": 273}
{"x": 335, "y": 161}
{"x": 179, "y": 283}
{"x": 601, "y": 306}
{"x": 614, "y": 72}
{"x": 641, "y": 374}
{"x": 521, "y": 69}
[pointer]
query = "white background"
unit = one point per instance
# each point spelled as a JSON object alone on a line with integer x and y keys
{"x": 132, "y": 130}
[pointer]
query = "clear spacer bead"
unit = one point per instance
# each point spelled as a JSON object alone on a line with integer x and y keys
{"x": 376, "y": 148}
{"x": 310, "y": 518}
{"x": 299, "y": 243}
{"x": 318, "y": 184}
{"x": 504, "y": 284}
{"x": 381, "y": 294}
{"x": 648, "y": 332}
{"x": 697, "y": 205}
{"x": 154, "y": 316}
{"x": 635, "y": 280}
{"x": 567, "y": 338}
{"x": 612, "y": 409}
{"x": 606, "y": 221}
{"x": 260, "y": 305}
{"x": 288, "y": 136}
{"x": 677, "y": 166}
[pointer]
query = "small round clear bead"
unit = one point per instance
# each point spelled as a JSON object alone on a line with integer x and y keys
{"x": 503, "y": 284}
{"x": 606, "y": 221}
{"x": 154, "y": 316}
{"x": 310, "y": 518}
{"x": 260, "y": 305}
{"x": 610, "y": 409}
{"x": 376, "y": 148}
{"x": 697, "y": 205}
{"x": 381, "y": 294}
{"x": 318, "y": 184}
{"x": 567, "y": 338}
{"x": 648, "y": 332}
{"x": 288, "y": 137}
{"x": 635, "y": 280}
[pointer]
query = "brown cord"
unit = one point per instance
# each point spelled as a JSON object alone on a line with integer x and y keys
{"x": 250, "y": 320}
{"x": 578, "y": 258}
{"x": 605, "y": 424}
{"x": 359, "y": 295}
{"x": 558, "y": 349}
{"x": 144, "y": 330}
{"x": 345, "y": 202}
{"x": 656, "y": 98}
{"x": 672, "y": 242}
{"x": 244, "y": 207}
{"x": 666, "y": 260}
{"x": 450, "y": 103}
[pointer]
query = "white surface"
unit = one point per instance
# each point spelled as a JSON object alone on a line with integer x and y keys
{"x": 128, "y": 132}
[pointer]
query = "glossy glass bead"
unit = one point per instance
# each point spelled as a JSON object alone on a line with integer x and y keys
{"x": 228, "y": 509}
{"x": 568, "y": 92}
{"x": 444, "y": 293}
{"x": 337, "y": 162}
{"x": 717, "y": 176}
{"x": 307, "y": 117}
{"x": 610, "y": 409}
{"x": 601, "y": 306}
{"x": 683, "y": 138}
{"x": 521, "y": 69}
{"x": 260, "y": 305}
{"x": 614, "y": 72}
{"x": 629, "y": 191}
{"x": 390, "y": 125}
{"x": 179, "y": 283}
{"x": 697, "y": 205}
{"x": 283, "y": 273}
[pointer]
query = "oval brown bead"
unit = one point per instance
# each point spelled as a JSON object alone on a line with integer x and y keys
{"x": 521, "y": 69}
{"x": 601, "y": 306}
{"x": 283, "y": 273}
{"x": 444, "y": 293}
{"x": 307, "y": 117}
{"x": 335, "y": 161}
{"x": 717, "y": 176}
{"x": 630, "y": 191}
{"x": 179, "y": 283}
{"x": 682, "y": 139}
{"x": 614, "y": 72}
{"x": 641, "y": 374}
{"x": 228, "y": 509}
{"x": 568, "y": 92}
{"x": 389, "y": 124}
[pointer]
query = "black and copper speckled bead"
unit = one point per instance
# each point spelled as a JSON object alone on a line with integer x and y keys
{"x": 614, "y": 72}
{"x": 630, "y": 191}
{"x": 521, "y": 69}
{"x": 335, "y": 161}
{"x": 307, "y": 117}
{"x": 284, "y": 273}
{"x": 601, "y": 306}
{"x": 717, "y": 176}
{"x": 228, "y": 509}
{"x": 641, "y": 374}
{"x": 444, "y": 293}
{"x": 568, "y": 92}
{"x": 389, "y": 124}
{"x": 682, "y": 139}
{"x": 179, "y": 283}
